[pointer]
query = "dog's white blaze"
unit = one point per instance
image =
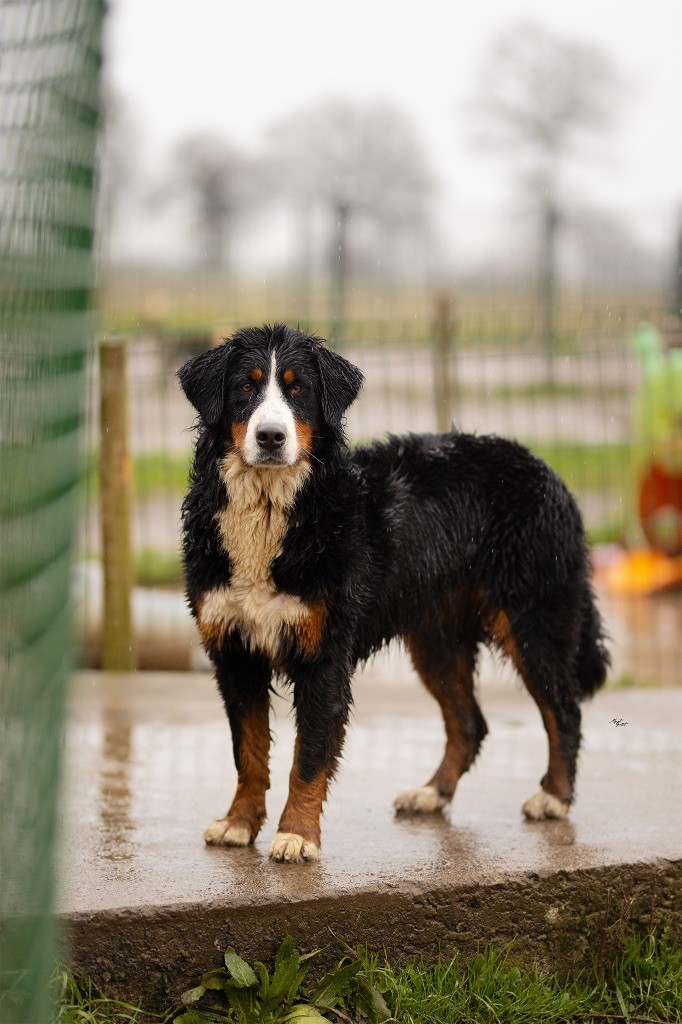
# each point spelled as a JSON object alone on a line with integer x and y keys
{"x": 252, "y": 527}
{"x": 272, "y": 411}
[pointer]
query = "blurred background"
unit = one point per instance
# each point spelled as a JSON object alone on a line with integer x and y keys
{"x": 481, "y": 208}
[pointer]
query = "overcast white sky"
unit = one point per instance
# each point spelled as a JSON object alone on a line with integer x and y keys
{"x": 234, "y": 67}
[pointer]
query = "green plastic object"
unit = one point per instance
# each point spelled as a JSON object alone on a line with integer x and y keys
{"x": 49, "y": 89}
{"x": 659, "y": 403}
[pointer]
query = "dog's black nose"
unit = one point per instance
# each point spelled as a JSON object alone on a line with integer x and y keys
{"x": 270, "y": 438}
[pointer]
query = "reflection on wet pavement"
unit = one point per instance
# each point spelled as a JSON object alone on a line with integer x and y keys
{"x": 149, "y": 765}
{"x": 114, "y": 782}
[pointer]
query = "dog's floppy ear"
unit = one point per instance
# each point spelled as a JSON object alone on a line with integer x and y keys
{"x": 341, "y": 383}
{"x": 204, "y": 379}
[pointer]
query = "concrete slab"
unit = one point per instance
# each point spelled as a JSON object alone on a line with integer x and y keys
{"x": 149, "y": 765}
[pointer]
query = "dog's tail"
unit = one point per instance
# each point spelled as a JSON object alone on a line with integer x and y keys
{"x": 593, "y": 658}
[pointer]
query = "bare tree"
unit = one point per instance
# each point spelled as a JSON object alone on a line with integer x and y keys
{"x": 677, "y": 269}
{"x": 221, "y": 183}
{"x": 608, "y": 253}
{"x": 540, "y": 98}
{"x": 360, "y": 161}
{"x": 117, "y": 167}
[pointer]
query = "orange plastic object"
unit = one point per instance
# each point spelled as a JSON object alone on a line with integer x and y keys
{"x": 641, "y": 572}
{"x": 660, "y": 509}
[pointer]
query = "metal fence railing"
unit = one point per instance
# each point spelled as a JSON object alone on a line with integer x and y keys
{"x": 581, "y": 411}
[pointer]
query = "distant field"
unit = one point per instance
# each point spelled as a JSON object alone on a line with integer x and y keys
{"x": 184, "y": 305}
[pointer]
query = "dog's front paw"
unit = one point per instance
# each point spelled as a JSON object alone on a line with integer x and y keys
{"x": 292, "y": 848}
{"x": 226, "y": 832}
{"x": 544, "y": 805}
{"x": 425, "y": 800}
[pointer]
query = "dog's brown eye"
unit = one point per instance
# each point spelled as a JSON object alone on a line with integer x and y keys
{"x": 296, "y": 390}
{"x": 246, "y": 387}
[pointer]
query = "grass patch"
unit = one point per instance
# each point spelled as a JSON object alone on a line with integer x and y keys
{"x": 581, "y": 466}
{"x": 547, "y": 389}
{"x": 586, "y": 467}
{"x": 156, "y": 473}
{"x": 644, "y": 986}
{"x": 612, "y": 531}
{"x": 626, "y": 681}
{"x": 508, "y": 393}
{"x": 158, "y": 568}
{"x": 79, "y": 1002}
{"x": 160, "y": 472}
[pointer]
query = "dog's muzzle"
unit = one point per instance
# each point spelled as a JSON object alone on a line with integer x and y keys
{"x": 270, "y": 438}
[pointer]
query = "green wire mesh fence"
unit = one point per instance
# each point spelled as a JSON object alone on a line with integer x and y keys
{"x": 49, "y": 88}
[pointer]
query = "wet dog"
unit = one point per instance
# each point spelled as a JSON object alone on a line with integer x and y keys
{"x": 303, "y": 557}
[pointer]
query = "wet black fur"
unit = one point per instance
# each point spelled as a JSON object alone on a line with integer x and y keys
{"x": 391, "y": 537}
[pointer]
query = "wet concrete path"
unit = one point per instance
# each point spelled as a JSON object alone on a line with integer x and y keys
{"x": 149, "y": 766}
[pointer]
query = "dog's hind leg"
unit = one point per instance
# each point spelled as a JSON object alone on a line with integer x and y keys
{"x": 443, "y": 653}
{"x": 545, "y": 667}
{"x": 243, "y": 682}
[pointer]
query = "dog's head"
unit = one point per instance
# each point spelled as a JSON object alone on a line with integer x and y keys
{"x": 273, "y": 390}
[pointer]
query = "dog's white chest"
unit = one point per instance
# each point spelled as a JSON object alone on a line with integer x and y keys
{"x": 252, "y": 527}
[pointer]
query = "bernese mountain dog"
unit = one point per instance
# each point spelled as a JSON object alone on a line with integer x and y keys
{"x": 303, "y": 557}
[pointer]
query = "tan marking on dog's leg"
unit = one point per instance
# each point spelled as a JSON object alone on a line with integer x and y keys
{"x": 556, "y": 782}
{"x": 554, "y": 799}
{"x": 298, "y": 833}
{"x": 308, "y": 629}
{"x": 446, "y": 668}
{"x": 246, "y": 815}
{"x": 212, "y": 629}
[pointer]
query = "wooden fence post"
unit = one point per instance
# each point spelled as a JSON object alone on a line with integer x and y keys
{"x": 115, "y": 474}
{"x": 443, "y": 345}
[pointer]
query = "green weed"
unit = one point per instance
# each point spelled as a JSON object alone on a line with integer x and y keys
{"x": 240, "y": 994}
